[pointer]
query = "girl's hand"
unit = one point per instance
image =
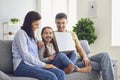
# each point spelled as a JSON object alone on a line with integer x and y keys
{"x": 86, "y": 61}
{"x": 49, "y": 66}
{"x": 40, "y": 44}
{"x": 52, "y": 57}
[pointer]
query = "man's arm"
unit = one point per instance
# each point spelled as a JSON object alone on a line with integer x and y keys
{"x": 79, "y": 49}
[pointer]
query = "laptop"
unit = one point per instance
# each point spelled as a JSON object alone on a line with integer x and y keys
{"x": 64, "y": 41}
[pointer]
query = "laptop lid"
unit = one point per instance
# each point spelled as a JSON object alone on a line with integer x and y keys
{"x": 64, "y": 41}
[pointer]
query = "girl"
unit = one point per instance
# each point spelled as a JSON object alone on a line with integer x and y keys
{"x": 49, "y": 54}
{"x": 25, "y": 53}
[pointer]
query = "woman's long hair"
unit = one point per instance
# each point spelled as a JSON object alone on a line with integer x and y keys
{"x": 29, "y": 19}
{"x": 46, "y": 52}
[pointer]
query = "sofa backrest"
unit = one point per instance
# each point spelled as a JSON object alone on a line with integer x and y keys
{"x": 6, "y": 64}
{"x": 85, "y": 46}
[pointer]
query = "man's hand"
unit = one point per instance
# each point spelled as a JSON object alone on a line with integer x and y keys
{"x": 40, "y": 44}
{"x": 48, "y": 66}
{"x": 86, "y": 61}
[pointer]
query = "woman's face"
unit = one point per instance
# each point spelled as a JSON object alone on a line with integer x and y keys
{"x": 35, "y": 25}
{"x": 47, "y": 35}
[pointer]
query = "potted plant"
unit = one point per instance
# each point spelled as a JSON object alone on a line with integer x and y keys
{"x": 85, "y": 30}
{"x": 15, "y": 20}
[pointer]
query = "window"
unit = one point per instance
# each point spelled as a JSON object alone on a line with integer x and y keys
{"x": 49, "y": 9}
{"x": 115, "y": 23}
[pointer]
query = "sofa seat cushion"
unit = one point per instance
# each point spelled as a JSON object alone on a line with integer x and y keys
{"x": 21, "y": 78}
{"x": 4, "y": 76}
{"x": 72, "y": 76}
{"x": 83, "y": 76}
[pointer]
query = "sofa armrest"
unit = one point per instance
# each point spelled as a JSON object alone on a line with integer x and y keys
{"x": 4, "y": 76}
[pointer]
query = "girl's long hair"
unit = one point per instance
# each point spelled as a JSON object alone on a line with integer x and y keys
{"x": 46, "y": 52}
{"x": 29, "y": 19}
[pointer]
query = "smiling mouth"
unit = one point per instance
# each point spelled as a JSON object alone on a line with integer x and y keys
{"x": 48, "y": 38}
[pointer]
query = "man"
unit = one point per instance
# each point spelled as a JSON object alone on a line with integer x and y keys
{"x": 99, "y": 62}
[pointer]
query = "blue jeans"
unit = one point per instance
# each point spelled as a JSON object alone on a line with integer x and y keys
{"x": 61, "y": 61}
{"x": 100, "y": 62}
{"x": 39, "y": 73}
{"x": 73, "y": 57}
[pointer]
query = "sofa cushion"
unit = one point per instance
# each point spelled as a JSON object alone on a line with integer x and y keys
{"x": 93, "y": 75}
{"x": 6, "y": 56}
{"x": 4, "y": 76}
{"x": 72, "y": 76}
{"x": 22, "y": 78}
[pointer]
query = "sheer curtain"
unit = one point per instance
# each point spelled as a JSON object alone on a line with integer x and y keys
{"x": 115, "y": 23}
{"x": 49, "y": 8}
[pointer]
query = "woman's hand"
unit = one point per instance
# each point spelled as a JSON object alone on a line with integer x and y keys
{"x": 50, "y": 66}
{"x": 40, "y": 44}
{"x": 52, "y": 57}
{"x": 86, "y": 61}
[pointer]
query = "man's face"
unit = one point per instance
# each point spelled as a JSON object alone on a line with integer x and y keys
{"x": 61, "y": 24}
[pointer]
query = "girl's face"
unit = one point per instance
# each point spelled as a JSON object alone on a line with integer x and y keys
{"x": 47, "y": 35}
{"x": 35, "y": 25}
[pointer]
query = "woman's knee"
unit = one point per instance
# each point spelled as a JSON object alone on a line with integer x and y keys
{"x": 52, "y": 76}
{"x": 60, "y": 74}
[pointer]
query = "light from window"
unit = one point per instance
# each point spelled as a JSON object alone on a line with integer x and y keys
{"x": 115, "y": 23}
{"x": 49, "y": 9}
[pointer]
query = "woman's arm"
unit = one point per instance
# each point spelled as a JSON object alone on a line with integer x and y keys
{"x": 21, "y": 41}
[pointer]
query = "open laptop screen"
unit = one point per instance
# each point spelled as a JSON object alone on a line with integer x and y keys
{"x": 64, "y": 41}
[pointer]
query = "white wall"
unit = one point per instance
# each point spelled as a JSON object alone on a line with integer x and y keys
{"x": 15, "y": 8}
{"x": 102, "y": 26}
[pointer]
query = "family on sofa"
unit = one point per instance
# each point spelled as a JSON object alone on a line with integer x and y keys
{"x": 42, "y": 59}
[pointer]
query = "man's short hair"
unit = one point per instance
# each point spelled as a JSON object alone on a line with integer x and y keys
{"x": 61, "y": 15}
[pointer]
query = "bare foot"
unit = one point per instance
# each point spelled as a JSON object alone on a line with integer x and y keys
{"x": 69, "y": 69}
{"x": 84, "y": 69}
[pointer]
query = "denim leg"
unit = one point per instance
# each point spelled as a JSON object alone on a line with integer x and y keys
{"x": 39, "y": 73}
{"x": 59, "y": 73}
{"x": 72, "y": 56}
{"x": 79, "y": 63}
{"x": 95, "y": 65}
{"x": 61, "y": 61}
{"x": 105, "y": 65}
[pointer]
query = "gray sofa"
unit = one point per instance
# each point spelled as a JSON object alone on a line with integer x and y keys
{"x": 7, "y": 67}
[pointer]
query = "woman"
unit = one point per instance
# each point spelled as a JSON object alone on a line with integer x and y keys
{"x": 25, "y": 53}
{"x": 49, "y": 53}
